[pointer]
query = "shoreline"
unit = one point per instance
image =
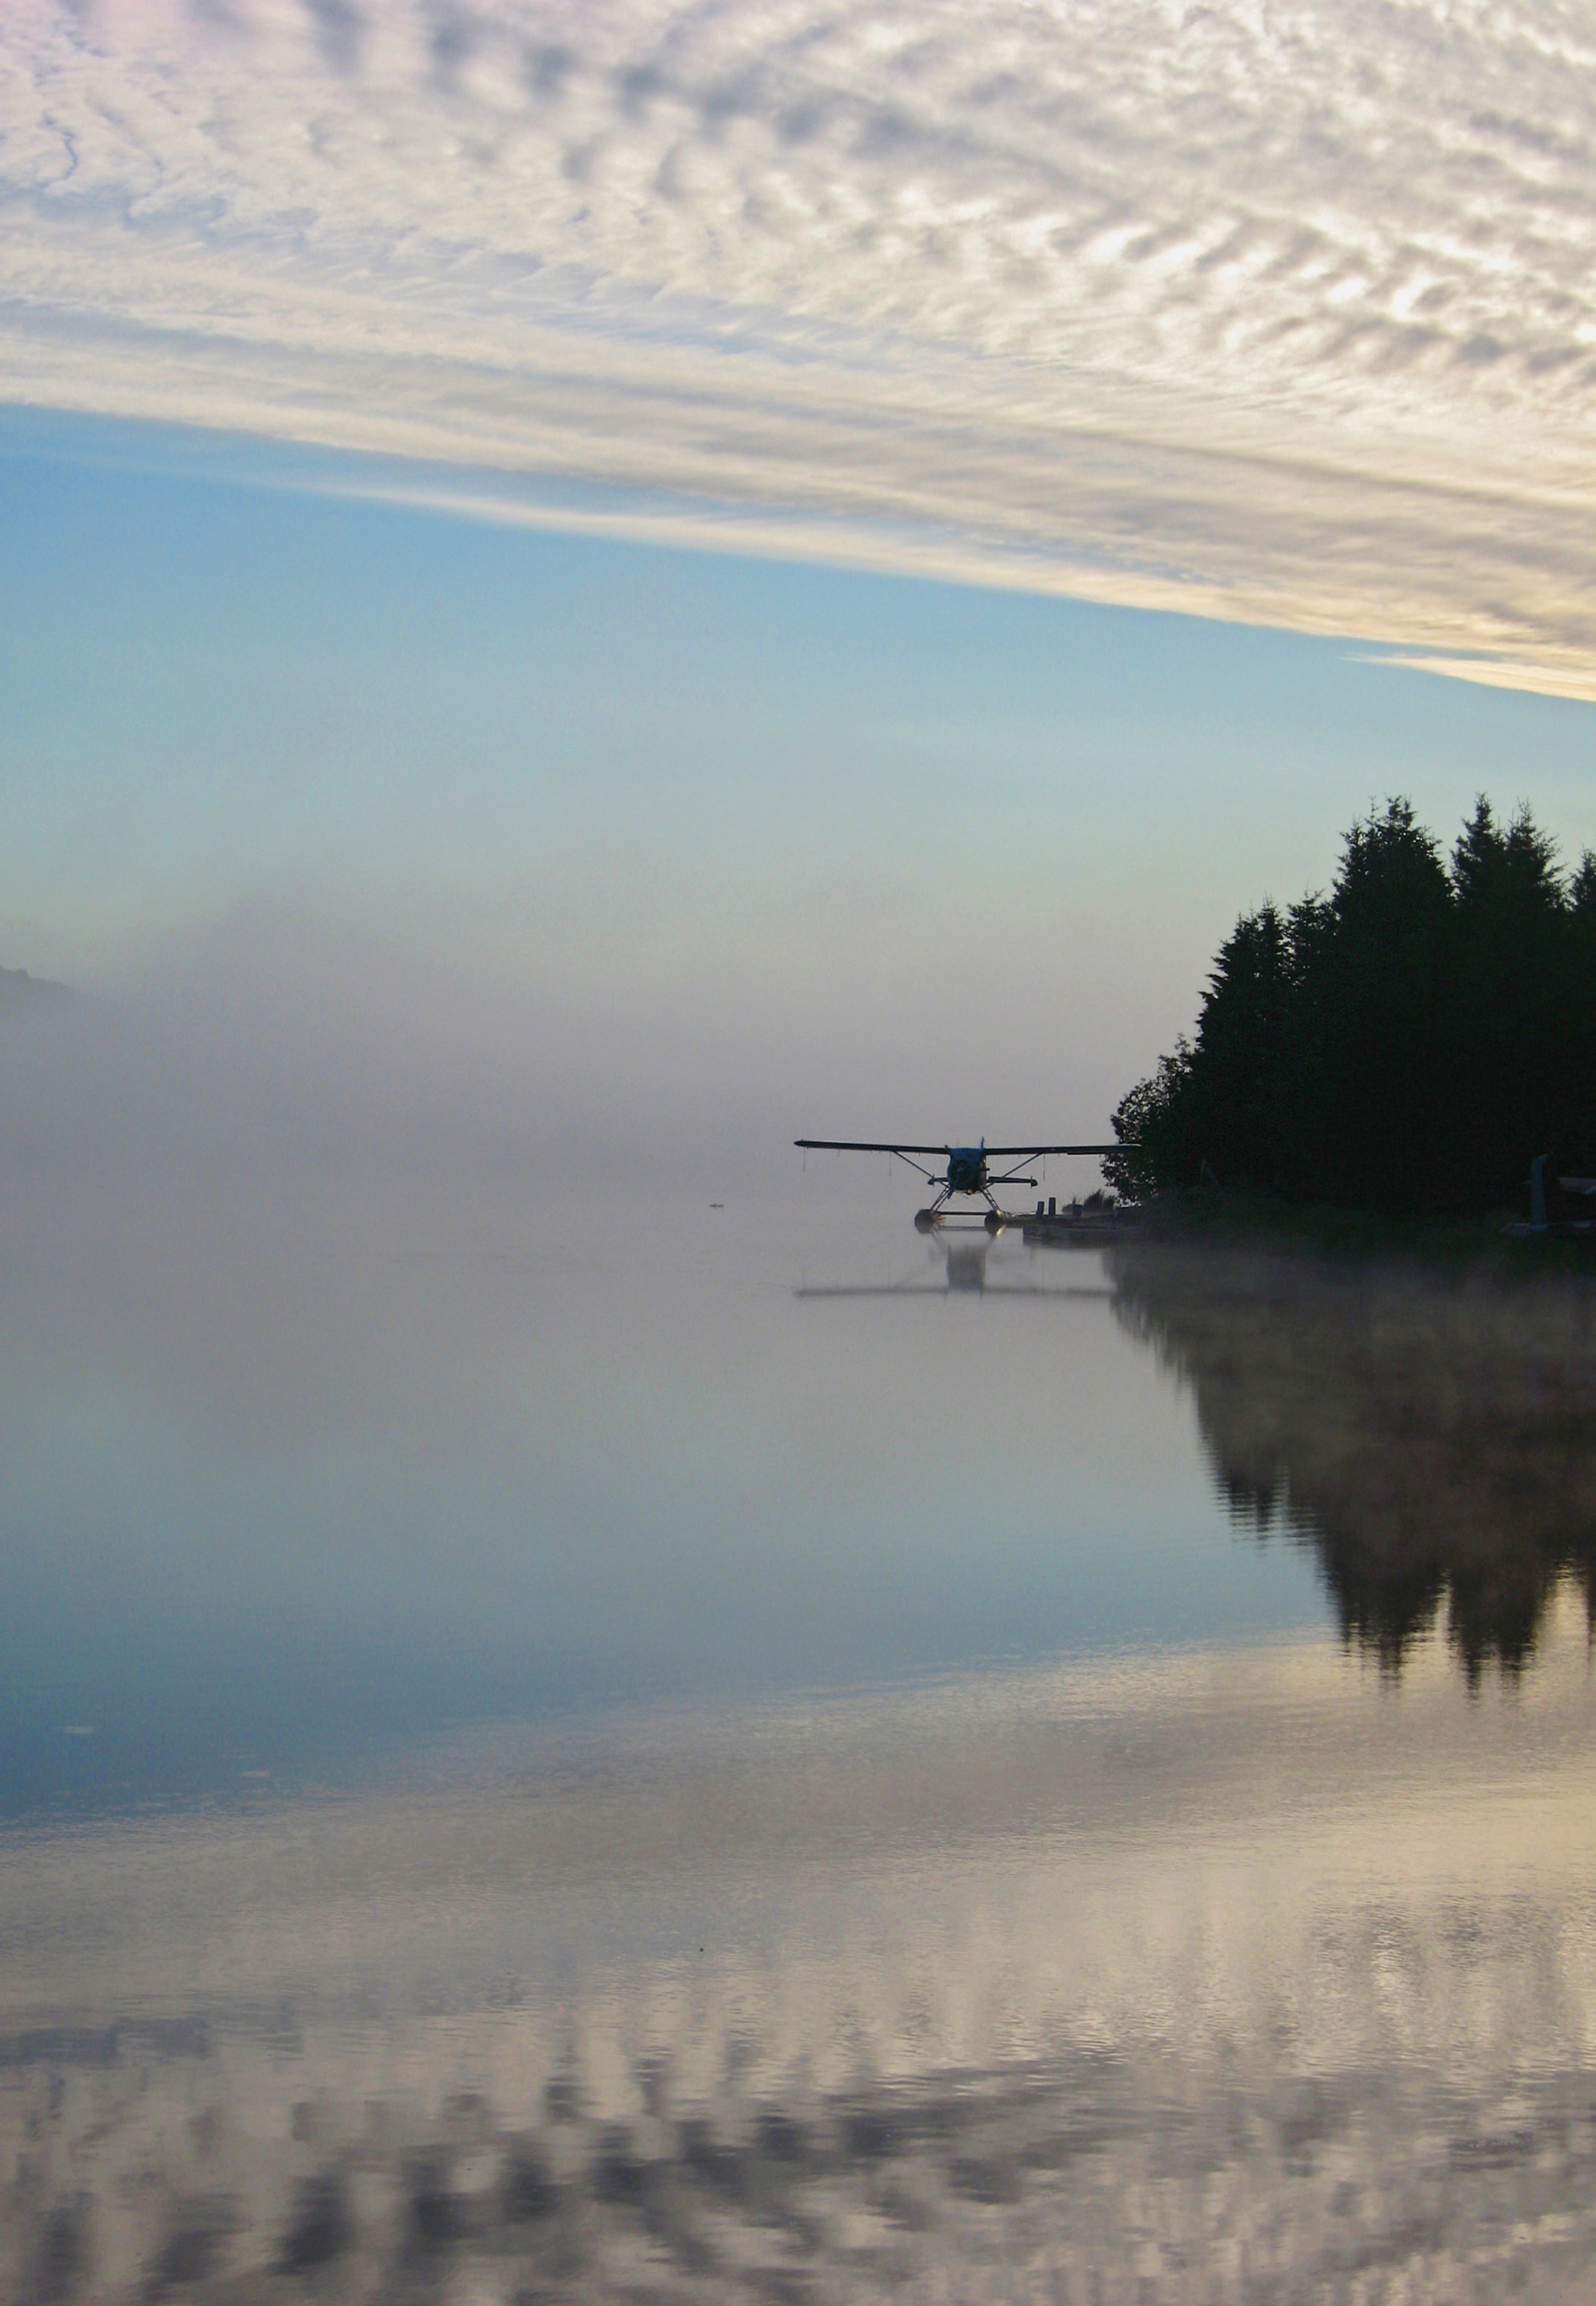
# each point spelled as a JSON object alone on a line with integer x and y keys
{"x": 1210, "y": 1216}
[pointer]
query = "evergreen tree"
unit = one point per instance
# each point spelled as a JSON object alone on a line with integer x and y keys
{"x": 1242, "y": 1040}
{"x": 1509, "y": 1098}
{"x": 1379, "y": 990}
{"x": 1407, "y": 1042}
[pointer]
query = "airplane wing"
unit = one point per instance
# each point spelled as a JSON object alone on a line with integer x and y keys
{"x": 857, "y": 1145}
{"x": 1026, "y": 1152}
{"x": 993, "y": 1152}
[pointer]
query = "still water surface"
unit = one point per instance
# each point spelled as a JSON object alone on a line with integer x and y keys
{"x": 638, "y": 1751}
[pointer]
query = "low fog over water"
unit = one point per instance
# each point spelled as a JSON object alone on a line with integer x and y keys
{"x": 350, "y": 1392}
{"x": 588, "y": 1715}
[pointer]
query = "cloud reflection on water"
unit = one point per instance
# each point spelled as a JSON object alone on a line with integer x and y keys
{"x": 1223, "y": 1976}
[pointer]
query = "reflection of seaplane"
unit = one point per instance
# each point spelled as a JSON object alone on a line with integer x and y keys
{"x": 966, "y": 1276}
{"x": 968, "y": 1173}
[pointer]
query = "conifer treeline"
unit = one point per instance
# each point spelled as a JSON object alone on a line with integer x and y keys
{"x": 1407, "y": 1043}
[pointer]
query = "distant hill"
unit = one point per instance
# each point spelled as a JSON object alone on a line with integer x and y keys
{"x": 21, "y": 996}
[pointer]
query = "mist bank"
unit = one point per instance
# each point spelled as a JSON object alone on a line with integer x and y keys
{"x": 281, "y": 1046}
{"x": 286, "y": 1039}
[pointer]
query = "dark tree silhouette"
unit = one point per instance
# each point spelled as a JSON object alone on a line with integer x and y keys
{"x": 1407, "y": 1043}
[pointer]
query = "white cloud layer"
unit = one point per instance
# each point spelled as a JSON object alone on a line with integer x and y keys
{"x": 1280, "y": 312}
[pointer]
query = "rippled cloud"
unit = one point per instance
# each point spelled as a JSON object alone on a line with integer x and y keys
{"x": 1283, "y": 314}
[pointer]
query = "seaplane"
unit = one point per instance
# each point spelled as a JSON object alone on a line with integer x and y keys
{"x": 968, "y": 1175}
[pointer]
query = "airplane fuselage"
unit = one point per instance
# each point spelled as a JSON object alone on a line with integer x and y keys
{"x": 966, "y": 1169}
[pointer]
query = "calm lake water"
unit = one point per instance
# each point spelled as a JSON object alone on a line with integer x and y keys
{"x": 618, "y": 1749}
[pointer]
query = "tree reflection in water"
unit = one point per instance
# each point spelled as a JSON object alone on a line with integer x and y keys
{"x": 1432, "y": 1439}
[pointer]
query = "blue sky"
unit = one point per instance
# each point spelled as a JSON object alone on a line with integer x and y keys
{"x": 851, "y": 818}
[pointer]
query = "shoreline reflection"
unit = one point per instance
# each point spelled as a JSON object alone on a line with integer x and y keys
{"x": 1430, "y": 1441}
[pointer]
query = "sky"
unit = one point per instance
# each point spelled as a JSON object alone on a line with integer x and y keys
{"x": 777, "y": 557}
{"x": 1282, "y": 312}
